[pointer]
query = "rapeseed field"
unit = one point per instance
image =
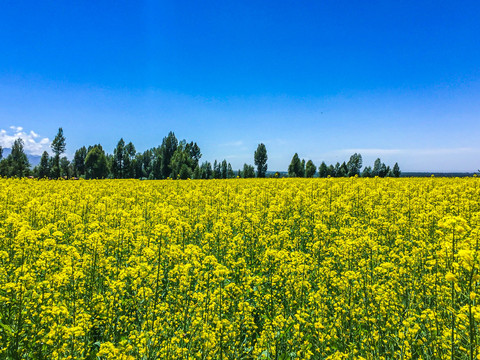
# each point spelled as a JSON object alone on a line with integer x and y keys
{"x": 348, "y": 268}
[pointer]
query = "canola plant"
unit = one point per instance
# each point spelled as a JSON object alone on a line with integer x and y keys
{"x": 240, "y": 269}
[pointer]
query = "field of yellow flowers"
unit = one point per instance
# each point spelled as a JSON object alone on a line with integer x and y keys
{"x": 240, "y": 269}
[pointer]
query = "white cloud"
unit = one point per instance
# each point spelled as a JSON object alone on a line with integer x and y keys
{"x": 33, "y": 143}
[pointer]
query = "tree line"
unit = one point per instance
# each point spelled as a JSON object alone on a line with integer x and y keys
{"x": 298, "y": 168}
{"x": 173, "y": 159}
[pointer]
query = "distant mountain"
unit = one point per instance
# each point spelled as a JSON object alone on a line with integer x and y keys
{"x": 33, "y": 159}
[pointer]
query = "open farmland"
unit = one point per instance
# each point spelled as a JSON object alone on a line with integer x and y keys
{"x": 240, "y": 269}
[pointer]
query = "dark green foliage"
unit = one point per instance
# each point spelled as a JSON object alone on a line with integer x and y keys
{"x": 367, "y": 172}
{"x": 302, "y": 169}
{"x": 323, "y": 170}
{"x": 138, "y": 171}
{"x": 396, "y": 170}
{"x": 248, "y": 171}
{"x": 260, "y": 159}
{"x": 197, "y": 172}
{"x": 354, "y": 165}
{"x": 206, "y": 170}
{"x": 145, "y": 164}
{"x": 336, "y": 171}
{"x": 172, "y": 159}
{"x": 16, "y": 163}
{"x": 343, "y": 170}
{"x": 230, "y": 173}
{"x": 310, "y": 169}
{"x": 331, "y": 171}
{"x": 168, "y": 148}
{"x": 58, "y": 144}
{"x": 117, "y": 165}
{"x": 156, "y": 163}
{"x": 123, "y": 161}
{"x": 65, "y": 168}
{"x": 185, "y": 172}
{"x": 295, "y": 167}
{"x": 96, "y": 166}
{"x": 217, "y": 172}
{"x": 43, "y": 169}
{"x": 58, "y": 147}
{"x": 377, "y": 167}
{"x": 78, "y": 163}
{"x": 194, "y": 152}
{"x": 129, "y": 161}
{"x": 221, "y": 170}
{"x": 388, "y": 172}
{"x": 383, "y": 170}
{"x": 182, "y": 164}
{"x": 224, "y": 168}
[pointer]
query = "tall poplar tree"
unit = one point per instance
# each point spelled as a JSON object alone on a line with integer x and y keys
{"x": 260, "y": 158}
{"x": 295, "y": 167}
{"x": 58, "y": 147}
{"x": 310, "y": 169}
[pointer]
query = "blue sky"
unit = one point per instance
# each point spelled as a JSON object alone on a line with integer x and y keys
{"x": 398, "y": 80}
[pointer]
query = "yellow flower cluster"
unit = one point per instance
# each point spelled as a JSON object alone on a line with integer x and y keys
{"x": 240, "y": 269}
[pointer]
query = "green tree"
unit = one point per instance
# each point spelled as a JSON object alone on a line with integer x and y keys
{"x": 377, "y": 167}
{"x": 310, "y": 169}
{"x": 157, "y": 163}
{"x": 138, "y": 167}
{"x": 388, "y": 172}
{"x": 185, "y": 172}
{"x": 323, "y": 170}
{"x": 396, "y": 170}
{"x": 343, "y": 170}
{"x": 295, "y": 167}
{"x": 96, "y": 166}
{"x": 147, "y": 160}
{"x": 260, "y": 158}
{"x": 197, "y": 172}
{"x": 383, "y": 170}
{"x": 331, "y": 170}
{"x": 194, "y": 152}
{"x": 167, "y": 149}
{"x": 118, "y": 161}
{"x": 4, "y": 167}
{"x": 16, "y": 163}
{"x": 230, "y": 173}
{"x": 79, "y": 162}
{"x": 182, "y": 163}
{"x": 207, "y": 172}
{"x": 224, "y": 169}
{"x": 336, "y": 171}
{"x": 65, "y": 168}
{"x": 354, "y": 165}
{"x": 217, "y": 172}
{"x": 58, "y": 147}
{"x": 129, "y": 161}
{"x": 43, "y": 170}
{"x": 248, "y": 171}
{"x": 302, "y": 169}
{"x": 367, "y": 172}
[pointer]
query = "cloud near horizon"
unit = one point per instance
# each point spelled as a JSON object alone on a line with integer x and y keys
{"x": 34, "y": 144}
